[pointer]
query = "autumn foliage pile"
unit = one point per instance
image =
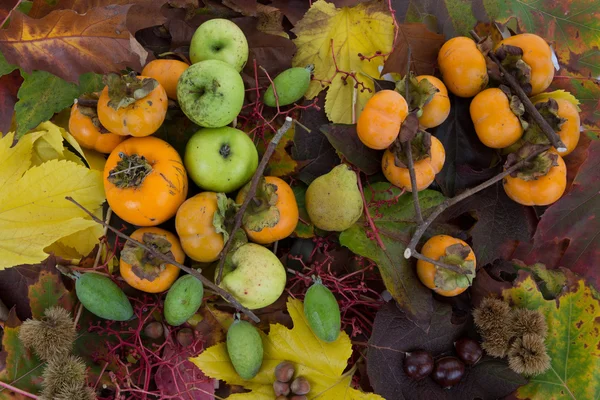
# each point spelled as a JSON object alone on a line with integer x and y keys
{"x": 452, "y": 145}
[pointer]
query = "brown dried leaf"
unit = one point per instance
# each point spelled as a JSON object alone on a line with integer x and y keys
{"x": 68, "y": 44}
{"x": 424, "y": 46}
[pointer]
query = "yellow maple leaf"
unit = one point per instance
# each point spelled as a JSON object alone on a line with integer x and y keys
{"x": 321, "y": 363}
{"x": 33, "y": 211}
{"x": 557, "y": 94}
{"x": 365, "y": 29}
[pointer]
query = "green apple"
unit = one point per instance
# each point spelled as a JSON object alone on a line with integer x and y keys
{"x": 220, "y": 159}
{"x": 254, "y": 276}
{"x": 220, "y": 39}
{"x": 211, "y": 93}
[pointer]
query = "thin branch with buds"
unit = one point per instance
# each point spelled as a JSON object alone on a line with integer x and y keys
{"x": 163, "y": 257}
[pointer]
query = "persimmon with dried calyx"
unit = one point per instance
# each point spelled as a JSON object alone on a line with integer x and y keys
{"x": 167, "y": 73}
{"x": 529, "y": 58}
{"x": 145, "y": 181}
{"x": 428, "y": 155}
{"x": 200, "y": 225}
{"x": 131, "y": 105}
{"x": 272, "y": 214}
{"x": 428, "y": 98}
{"x": 563, "y": 116}
{"x": 540, "y": 182}
{"x": 86, "y": 128}
{"x": 379, "y": 123}
{"x": 463, "y": 67}
{"x": 448, "y": 250}
{"x": 496, "y": 114}
{"x": 144, "y": 271}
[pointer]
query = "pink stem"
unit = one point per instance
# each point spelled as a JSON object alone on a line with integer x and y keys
{"x": 368, "y": 215}
{"x": 17, "y": 390}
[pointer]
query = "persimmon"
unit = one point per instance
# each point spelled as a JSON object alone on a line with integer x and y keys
{"x": 131, "y": 105}
{"x": 540, "y": 183}
{"x": 448, "y": 250}
{"x": 145, "y": 181}
{"x": 463, "y": 67}
{"x": 143, "y": 271}
{"x": 167, "y": 73}
{"x": 538, "y": 55}
{"x": 274, "y": 214}
{"x": 425, "y": 168}
{"x": 85, "y": 127}
{"x": 437, "y": 109}
{"x": 563, "y": 116}
{"x": 496, "y": 123}
{"x": 195, "y": 225}
{"x": 379, "y": 123}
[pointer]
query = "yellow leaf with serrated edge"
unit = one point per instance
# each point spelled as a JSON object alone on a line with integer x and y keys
{"x": 33, "y": 211}
{"x": 557, "y": 94}
{"x": 363, "y": 29}
{"x": 321, "y": 363}
{"x": 83, "y": 242}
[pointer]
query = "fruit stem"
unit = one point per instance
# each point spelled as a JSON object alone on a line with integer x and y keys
{"x": 17, "y": 390}
{"x": 529, "y": 107}
{"x": 250, "y": 195}
{"x": 169, "y": 260}
{"x": 411, "y": 251}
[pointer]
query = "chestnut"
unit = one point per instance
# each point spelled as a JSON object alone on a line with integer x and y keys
{"x": 448, "y": 371}
{"x": 418, "y": 364}
{"x": 468, "y": 350}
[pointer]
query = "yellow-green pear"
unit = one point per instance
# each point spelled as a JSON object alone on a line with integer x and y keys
{"x": 333, "y": 200}
{"x": 254, "y": 276}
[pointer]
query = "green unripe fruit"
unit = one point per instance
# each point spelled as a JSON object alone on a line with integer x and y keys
{"x": 183, "y": 300}
{"x": 322, "y": 312}
{"x": 245, "y": 349}
{"x": 102, "y": 297}
{"x": 291, "y": 85}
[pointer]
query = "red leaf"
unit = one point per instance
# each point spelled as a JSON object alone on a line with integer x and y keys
{"x": 9, "y": 86}
{"x": 424, "y": 46}
{"x": 575, "y": 217}
{"x": 6, "y": 8}
{"x": 68, "y": 44}
{"x": 181, "y": 377}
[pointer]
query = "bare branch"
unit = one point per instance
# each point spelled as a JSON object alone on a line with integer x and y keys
{"x": 226, "y": 295}
{"x": 251, "y": 192}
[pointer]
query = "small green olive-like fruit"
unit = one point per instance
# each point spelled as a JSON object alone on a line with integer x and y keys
{"x": 291, "y": 85}
{"x": 322, "y": 312}
{"x": 245, "y": 349}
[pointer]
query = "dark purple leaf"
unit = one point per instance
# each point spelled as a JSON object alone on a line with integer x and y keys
{"x": 394, "y": 334}
{"x": 345, "y": 140}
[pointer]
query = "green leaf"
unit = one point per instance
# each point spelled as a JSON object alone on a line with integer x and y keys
{"x": 40, "y": 96}
{"x": 49, "y": 291}
{"x": 5, "y": 67}
{"x": 394, "y": 218}
{"x": 305, "y": 228}
{"x": 573, "y": 341}
{"x": 21, "y": 367}
{"x": 90, "y": 82}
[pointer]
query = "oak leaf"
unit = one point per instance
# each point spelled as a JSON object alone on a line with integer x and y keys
{"x": 322, "y": 364}
{"x": 69, "y": 44}
{"x": 327, "y": 33}
{"x": 33, "y": 211}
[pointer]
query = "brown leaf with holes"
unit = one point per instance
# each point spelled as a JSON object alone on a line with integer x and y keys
{"x": 69, "y": 44}
{"x": 424, "y": 45}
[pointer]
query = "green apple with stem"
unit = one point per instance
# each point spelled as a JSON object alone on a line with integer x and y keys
{"x": 211, "y": 93}
{"x": 220, "y": 159}
{"x": 220, "y": 39}
{"x": 254, "y": 276}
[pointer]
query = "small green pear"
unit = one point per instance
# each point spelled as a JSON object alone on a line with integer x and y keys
{"x": 333, "y": 200}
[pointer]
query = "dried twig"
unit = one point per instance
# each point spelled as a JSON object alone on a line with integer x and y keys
{"x": 226, "y": 295}
{"x": 410, "y": 250}
{"x": 529, "y": 107}
{"x": 251, "y": 192}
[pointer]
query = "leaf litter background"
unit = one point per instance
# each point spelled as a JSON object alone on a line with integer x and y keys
{"x": 127, "y": 33}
